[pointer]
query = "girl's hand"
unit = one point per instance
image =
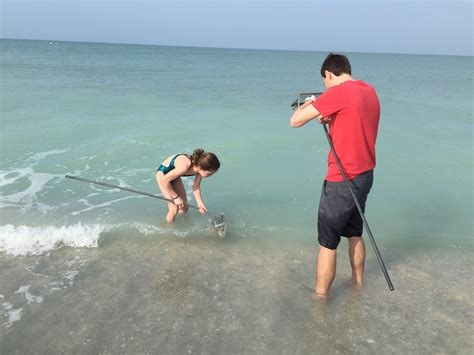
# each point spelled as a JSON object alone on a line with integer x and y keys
{"x": 202, "y": 208}
{"x": 178, "y": 201}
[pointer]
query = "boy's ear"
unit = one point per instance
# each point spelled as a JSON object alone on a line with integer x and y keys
{"x": 328, "y": 75}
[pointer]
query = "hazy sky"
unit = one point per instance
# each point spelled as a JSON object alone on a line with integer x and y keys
{"x": 389, "y": 26}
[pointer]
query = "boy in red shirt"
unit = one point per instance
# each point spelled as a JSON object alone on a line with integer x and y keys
{"x": 352, "y": 109}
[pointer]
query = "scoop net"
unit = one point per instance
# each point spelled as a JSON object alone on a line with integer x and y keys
{"x": 219, "y": 223}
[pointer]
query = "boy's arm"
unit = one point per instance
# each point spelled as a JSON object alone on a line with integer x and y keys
{"x": 304, "y": 114}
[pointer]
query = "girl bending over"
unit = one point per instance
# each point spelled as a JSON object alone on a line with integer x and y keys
{"x": 200, "y": 164}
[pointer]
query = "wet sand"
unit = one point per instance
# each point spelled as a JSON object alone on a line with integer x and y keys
{"x": 199, "y": 294}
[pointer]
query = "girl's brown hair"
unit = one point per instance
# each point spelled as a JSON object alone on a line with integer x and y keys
{"x": 205, "y": 160}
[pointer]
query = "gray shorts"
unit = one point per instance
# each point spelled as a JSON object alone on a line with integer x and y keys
{"x": 338, "y": 215}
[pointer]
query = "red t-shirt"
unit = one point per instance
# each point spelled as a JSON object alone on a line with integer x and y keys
{"x": 355, "y": 109}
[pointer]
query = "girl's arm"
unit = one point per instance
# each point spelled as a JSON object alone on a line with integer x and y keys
{"x": 197, "y": 194}
{"x": 180, "y": 168}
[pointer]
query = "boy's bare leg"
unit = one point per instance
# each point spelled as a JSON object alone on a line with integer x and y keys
{"x": 357, "y": 258}
{"x": 326, "y": 271}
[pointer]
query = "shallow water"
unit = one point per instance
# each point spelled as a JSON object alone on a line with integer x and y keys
{"x": 115, "y": 112}
{"x": 206, "y": 295}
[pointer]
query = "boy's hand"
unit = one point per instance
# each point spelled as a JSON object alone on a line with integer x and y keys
{"x": 310, "y": 98}
{"x": 325, "y": 119}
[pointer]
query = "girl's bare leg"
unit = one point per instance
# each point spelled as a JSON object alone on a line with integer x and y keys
{"x": 172, "y": 208}
{"x": 178, "y": 186}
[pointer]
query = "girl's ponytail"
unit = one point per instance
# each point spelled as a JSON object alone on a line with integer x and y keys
{"x": 196, "y": 156}
{"x": 205, "y": 160}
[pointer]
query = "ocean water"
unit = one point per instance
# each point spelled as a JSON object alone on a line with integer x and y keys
{"x": 91, "y": 269}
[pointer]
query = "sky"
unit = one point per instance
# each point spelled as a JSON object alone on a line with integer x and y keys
{"x": 382, "y": 26}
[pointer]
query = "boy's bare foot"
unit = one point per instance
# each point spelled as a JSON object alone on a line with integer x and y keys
{"x": 320, "y": 296}
{"x": 357, "y": 283}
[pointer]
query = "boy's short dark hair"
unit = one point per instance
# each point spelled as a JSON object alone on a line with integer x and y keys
{"x": 337, "y": 64}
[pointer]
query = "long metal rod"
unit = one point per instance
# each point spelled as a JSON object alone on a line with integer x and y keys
{"x": 123, "y": 188}
{"x": 371, "y": 237}
{"x": 212, "y": 220}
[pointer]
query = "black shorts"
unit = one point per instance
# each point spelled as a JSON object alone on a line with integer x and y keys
{"x": 338, "y": 215}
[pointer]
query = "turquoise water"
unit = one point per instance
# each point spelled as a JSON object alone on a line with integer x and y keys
{"x": 114, "y": 112}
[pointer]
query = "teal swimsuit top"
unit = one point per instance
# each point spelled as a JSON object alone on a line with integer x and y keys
{"x": 167, "y": 169}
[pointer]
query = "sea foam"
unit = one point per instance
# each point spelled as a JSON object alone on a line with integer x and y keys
{"x": 25, "y": 240}
{"x": 27, "y": 198}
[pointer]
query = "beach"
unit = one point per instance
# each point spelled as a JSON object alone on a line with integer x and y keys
{"x": 203, "y": 295}
{"x": 89, "y": 269}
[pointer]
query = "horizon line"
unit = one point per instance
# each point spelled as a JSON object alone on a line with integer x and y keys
{"x": 235, "y": 48}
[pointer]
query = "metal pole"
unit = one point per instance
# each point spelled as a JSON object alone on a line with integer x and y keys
{"x": 372, "y": 240}
{"x": 122, "y": 188}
